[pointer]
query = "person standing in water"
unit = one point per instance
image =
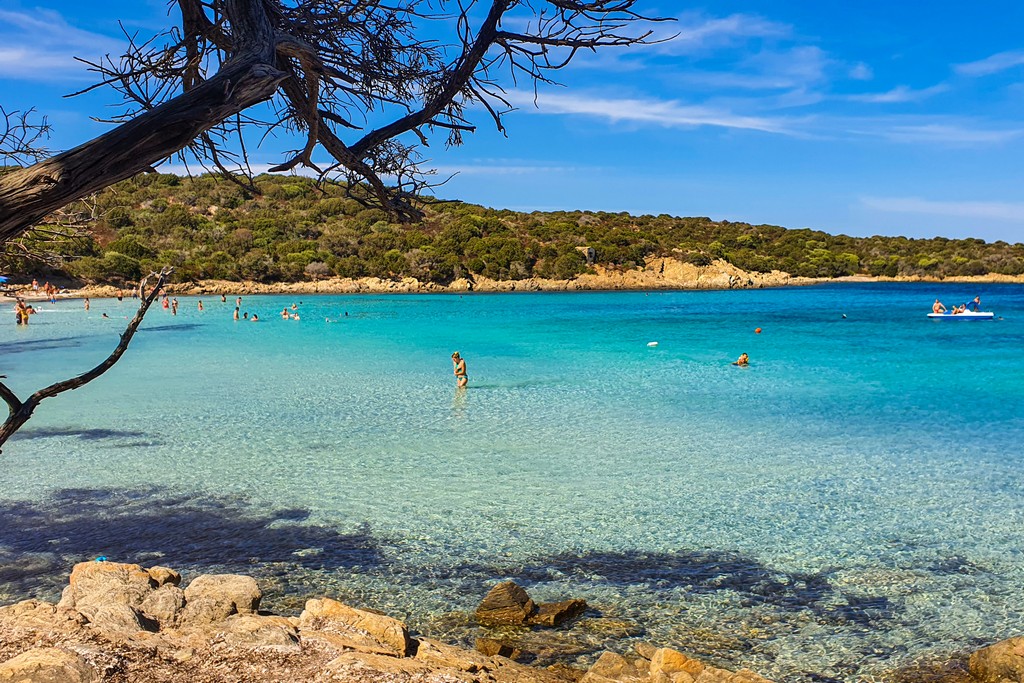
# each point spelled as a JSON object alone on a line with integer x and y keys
{"x": 459, "y": 368}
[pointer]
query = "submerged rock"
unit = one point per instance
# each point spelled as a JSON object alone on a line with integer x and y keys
{"x": 509, "y": 604}
{"x": 506, "y": 603}
{"x": 557, "y": 613}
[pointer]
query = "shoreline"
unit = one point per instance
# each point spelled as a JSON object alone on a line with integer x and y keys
{"x": 658, "y": 274}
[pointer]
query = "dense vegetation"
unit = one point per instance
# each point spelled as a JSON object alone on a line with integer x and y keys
{"x": 211, "y": 229}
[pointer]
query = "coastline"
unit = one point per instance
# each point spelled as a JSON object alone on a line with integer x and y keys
{"x": 659, "y": 274}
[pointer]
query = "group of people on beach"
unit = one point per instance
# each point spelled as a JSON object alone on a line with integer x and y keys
{"x": 973, "y": 305}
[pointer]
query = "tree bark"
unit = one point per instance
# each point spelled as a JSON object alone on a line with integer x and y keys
{"x": 29, "y": 194}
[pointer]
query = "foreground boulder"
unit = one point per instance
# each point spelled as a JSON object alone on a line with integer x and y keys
{"x": 47, "y": 665}
{"x": 999, "y": 663}
{"x": 354, "y": 628}
{"x": 94, "y": 584}
{"x": 215, "y": 597}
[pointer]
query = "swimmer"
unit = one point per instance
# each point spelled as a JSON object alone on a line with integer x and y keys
{"x": 459, "y": 369}
{"x": 223, "y": 298}
{"x": 255, "y": 318}
{"x": 87, "y": 303}
{"x": 236, "y": 312}
{"x": 284, "y": 314}
{"x": 743, "y": 361}
{"x": 200, "y": 304}
{"x": 105, "y": 315}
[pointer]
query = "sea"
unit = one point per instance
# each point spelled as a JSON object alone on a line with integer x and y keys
{"x": 849, "y": 507}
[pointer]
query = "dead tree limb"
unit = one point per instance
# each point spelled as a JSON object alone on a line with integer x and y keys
{"x": 21, "y": 411}
{"x": 323, "y": 68}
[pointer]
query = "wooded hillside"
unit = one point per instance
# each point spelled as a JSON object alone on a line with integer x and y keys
{"x": 211, "y": 229}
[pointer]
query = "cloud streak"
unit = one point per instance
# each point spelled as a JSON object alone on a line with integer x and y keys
{"x": 666, "y": 113}
{"x": 900, "y": 94}
{"x": 1000, "y": 211}
{"x": 997, "y": 63}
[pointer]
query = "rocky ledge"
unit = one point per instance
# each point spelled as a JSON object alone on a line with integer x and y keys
{"x": 123, "y": 623}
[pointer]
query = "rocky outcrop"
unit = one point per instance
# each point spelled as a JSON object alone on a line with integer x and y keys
{"x": 354, "y": 628}
{"x": 508, "y": 604}
{"x": 662, "y": 665}
{"x": 1002, "y": 662}
{"x": 658, "y": 273}
{"x": 215, "y": 597}
{"x": 47, "y": 665}
{"x": 120, "y": 622}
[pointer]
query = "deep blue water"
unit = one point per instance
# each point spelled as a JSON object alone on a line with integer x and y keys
{"x": 849, "y": 504}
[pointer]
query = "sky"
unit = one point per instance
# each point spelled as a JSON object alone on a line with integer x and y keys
{"x": 870, "y": 118}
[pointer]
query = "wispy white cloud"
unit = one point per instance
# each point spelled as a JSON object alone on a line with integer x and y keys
{"x": 981, "y": 210}
{"x": 900, "y": 94}
{"x": 41, "y": 46}
{"x": 668, "y": 113}
{"x": 952, "y": 133}
{"x": 1000, "y": 61}
{"x": 693, "y": 33}
{"x": 861, "y": 72}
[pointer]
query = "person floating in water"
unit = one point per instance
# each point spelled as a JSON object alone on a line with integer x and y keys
{"x": 459, "y": 368}
{"x": 937, "y": 307}
{"x": 743, "y": 361}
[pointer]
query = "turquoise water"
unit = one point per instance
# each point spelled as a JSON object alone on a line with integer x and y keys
{"x": 849, "y": 504}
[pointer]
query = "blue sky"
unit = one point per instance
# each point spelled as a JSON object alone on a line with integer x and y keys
{"x": 875, "y": 118}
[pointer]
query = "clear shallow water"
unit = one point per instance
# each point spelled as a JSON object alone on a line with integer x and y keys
{"x": 849, "y": 504}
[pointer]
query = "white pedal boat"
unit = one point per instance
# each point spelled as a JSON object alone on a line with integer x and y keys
{"x": 966, "y": 315}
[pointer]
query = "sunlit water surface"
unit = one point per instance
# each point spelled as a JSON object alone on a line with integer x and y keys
{"x": 849, "y": 504}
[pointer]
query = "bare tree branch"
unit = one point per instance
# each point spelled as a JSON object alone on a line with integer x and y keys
{"x": 20, "y": 411}
{"x": 366, "y": 82}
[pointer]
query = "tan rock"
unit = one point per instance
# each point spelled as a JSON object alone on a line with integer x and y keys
{"x": 557, "y": 613}
{"x": 506, "y": 603}
{"x": 612, "y": 667}
{"x": 164, "y": 575}
{"x": 36, "y": 614}
{"x": 214, "y": 597}
{"x": 360, "y": 661}
{"x": 47, "y": 665}
{"x": 446, "y": 656}
{"x": 164, "y": 605}
{"x": 496, "y": 648}
{"x": 670, "y": 662}
{"x": 375, "y": 632}
{"x": 98, "y": 583}
{"x": 999, "y": 663}
{"x": 115, "y": 618}
{"x": 262, "y": 632}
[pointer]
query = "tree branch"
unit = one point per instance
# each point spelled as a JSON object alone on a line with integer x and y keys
{"x": 21, "y": 411}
